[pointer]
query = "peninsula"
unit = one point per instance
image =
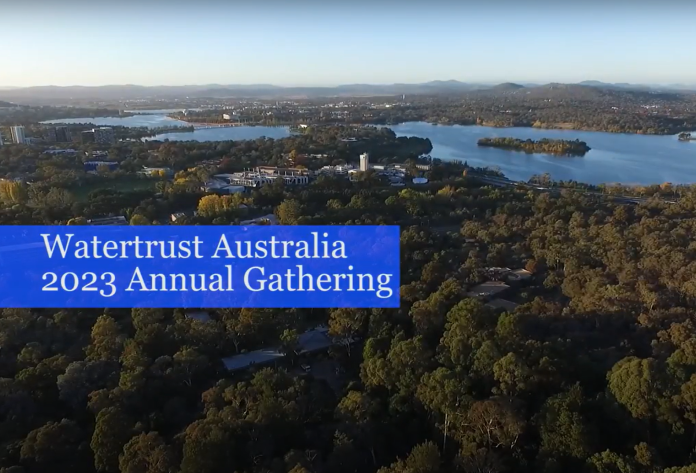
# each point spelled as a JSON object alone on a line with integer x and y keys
{"x": 544, "y": 145}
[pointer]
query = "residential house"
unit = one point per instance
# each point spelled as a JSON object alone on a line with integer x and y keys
{"x": 488, "y": 289}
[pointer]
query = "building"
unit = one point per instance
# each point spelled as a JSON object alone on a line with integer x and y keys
{"x": 310, "y": 342}
{"x": 120, "y": 220}
{"x": 87, "y": 136}
{"x": 94, "y": 165}
{"x": 519, "y": 275}
{"x": 178, "y": 216}
{"x": 269, "y": 219}
{"x": 18, "y": 135}
{"x": 364, "y": 162}
{"x": 503, "y": 304}
{"x": 104, "y": 135}
{"x": 199, "y": 315}
{"x": 61, "y": 151}
{"x": 488, "y": 289}
{"x": 156, "y": 172}
{"x": 257, "y": 179}
{"x": 1, "y": 143}
{"x": 63, "y": 134}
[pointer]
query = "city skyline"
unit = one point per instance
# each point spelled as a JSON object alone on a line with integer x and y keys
{"x": 324, "y": 46}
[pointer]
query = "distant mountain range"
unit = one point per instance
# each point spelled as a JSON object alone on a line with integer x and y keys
{"x": 56, "y": 94}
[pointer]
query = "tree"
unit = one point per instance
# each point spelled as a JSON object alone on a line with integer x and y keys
{"x": 78, "y": 221}
{"x": 289, "y": 211}
{"x": 640, "y": 386}
{"x": 54, "y": 447}
{"x": 147, "y": 453}
{"x": 13, "y": 192}
{"x": 208, "y": 448}
{"x": 112, "y": 430}
{"x": 346, "y": 325}
{"x": 139, "y": 220}
{"x": 107, "y": 341}
{"x": 424, "y": 458}
{"x": 83, "y": 377}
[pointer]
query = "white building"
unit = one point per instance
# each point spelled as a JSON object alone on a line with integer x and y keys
{"x": 18, "y": 135}
{"x": 258, "y": 179}
{"x": 364, "y": 162}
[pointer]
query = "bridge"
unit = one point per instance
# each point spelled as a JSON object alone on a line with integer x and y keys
{"x": 208, "y": 126}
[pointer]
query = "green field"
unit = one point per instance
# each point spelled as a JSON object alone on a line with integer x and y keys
{"x": 124, "y": 184}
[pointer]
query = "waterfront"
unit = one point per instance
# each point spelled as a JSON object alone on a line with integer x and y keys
{"x": 614, "y": 157}
{"x": 223, "y": 134}
{"x": 150, "y": 120}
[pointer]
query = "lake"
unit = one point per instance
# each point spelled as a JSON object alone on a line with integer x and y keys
{"x": 614, "y": 157}
{"x": 150, "y": 119}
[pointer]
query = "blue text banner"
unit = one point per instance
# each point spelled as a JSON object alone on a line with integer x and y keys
{"x": 199, "y": 266}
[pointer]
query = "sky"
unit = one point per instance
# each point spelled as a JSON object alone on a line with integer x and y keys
{"x": 332, "y": 42}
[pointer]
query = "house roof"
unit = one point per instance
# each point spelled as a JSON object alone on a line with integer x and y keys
{"x": 245, "y": 360}
{"x": 520, "y": 274}
{"x": 487, "y": 289}
{"x": 200, "y": 315}
{"x": 314, "y": 340}
{"x": 502, "y": 304}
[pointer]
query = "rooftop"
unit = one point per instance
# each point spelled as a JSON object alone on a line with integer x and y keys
{"x": 502, "y": 304}
{"x": 314, "y": 340}
{"x": 258, "y": 357}
{"x": 200, "y": 315}
{"x": 488, "y": 289}
{"x": 520, "y": 274}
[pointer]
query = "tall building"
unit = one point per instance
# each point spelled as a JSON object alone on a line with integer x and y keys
{"x": 18, "y": 135}
{"x": 50, "y": 134}
{"x": 1, "y": 143}
{"x": 87, "y": 136}
{"x": 63, "y": 134}
{"x": 364, "y": 162}
{"x": 104, "y": 136}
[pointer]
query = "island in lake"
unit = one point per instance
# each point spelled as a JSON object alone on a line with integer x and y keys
{"x": 544, "y": 145}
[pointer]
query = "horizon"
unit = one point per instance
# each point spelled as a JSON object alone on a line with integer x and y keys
{"x": 328, "y": 86}
{"x": 314, "y": 45}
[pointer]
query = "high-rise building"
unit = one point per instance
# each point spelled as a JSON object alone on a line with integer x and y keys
{"x": 104, "y": 135}
{"x": 18, "y": 135}
{"x": 50, "y": 134}
{"x": 364, "y": 162}
{"x": 87, "y": 136}
{"x": 63, "y": 134}
{"x": 1, "y": 143}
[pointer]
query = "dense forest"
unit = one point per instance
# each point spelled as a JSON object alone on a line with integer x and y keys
{"x": 593, "y": 371}
{"x": 544, "y": 145}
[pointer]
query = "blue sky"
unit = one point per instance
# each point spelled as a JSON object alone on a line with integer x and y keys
{"x": 73, "y": 42}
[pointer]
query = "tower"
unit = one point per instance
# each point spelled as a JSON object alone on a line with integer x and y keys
{"x": 18, "y": 135}
{"x": 364, "y": 162}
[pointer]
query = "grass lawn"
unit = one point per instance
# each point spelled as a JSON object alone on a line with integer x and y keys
{"x": 122, "y": 184}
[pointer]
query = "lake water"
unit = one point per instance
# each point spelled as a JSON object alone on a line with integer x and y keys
{"x": 223, "y": 134}
{"x": 625, "y": 158}
{"x": 146, "y": 120}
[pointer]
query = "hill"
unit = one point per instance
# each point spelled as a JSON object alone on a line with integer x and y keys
{"x": 54, "y": 95}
